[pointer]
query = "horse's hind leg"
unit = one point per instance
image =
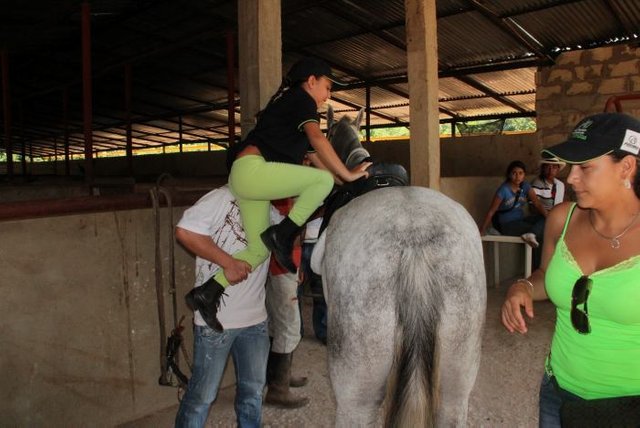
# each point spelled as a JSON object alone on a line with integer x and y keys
{"x": 360, "y": 357}
{"x": 458, "y": 355}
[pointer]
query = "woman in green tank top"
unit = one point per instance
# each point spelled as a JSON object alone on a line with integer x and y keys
{"x": 590, "y": 270}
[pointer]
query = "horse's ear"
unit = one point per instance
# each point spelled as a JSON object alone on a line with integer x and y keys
{"x": 329, "y": 116}
{"x": 358, "y": 121}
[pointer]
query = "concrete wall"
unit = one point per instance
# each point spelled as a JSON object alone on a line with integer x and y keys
{"x": 79, "y": 325}
{"x": 484, "y": 155}
{"x": 475, "y": 194}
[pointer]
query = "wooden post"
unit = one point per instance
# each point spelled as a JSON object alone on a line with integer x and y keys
{"x": 260, "y": 56}
{"x": 422, "y": 61}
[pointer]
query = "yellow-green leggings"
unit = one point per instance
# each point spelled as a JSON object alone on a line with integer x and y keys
{"x": 255, "y": 183}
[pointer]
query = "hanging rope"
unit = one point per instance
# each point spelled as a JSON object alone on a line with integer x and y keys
{"x": 169, "y": 356}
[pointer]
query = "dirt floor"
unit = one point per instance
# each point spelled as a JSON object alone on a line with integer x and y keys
{"x": 505, "y": 393}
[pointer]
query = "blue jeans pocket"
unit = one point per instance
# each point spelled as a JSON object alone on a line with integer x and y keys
{"x": 209, "y": 335}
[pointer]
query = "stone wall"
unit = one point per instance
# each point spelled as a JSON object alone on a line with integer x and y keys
{"x": 580, "y": 83}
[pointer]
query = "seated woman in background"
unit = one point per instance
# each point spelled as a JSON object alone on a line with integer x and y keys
{"x": 549, "y": 189}
{"x": 508, "y": 207}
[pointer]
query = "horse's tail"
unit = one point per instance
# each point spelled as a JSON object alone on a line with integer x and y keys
{"x": 411, "y": 390}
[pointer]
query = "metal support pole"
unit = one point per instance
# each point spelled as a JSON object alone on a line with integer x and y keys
{"x": 368, "y": 112}
{"x": 180, "y": 132}
{"x": 23, "y": 154}
{"x": 55, "y": 155}
{"x": 127, "y": 108}
{"x": 6, "y": 104}
{"x": 65, "y": 119}
{"x": 87, "y": 102}
{"x": 231, "y": 89}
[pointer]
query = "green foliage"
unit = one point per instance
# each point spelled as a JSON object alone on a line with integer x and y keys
{"x": 399, "y": 131}
{"x": 472, "y": 127}
{"x": 520, "y": 124}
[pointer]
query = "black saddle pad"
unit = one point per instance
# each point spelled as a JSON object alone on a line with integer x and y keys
{"x": 381, "y": 175}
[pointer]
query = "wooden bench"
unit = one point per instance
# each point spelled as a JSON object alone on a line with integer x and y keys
{"x": 499, "y": 239}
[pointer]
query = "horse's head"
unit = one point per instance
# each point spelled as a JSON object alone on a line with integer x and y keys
{"x": 344, "y": 136}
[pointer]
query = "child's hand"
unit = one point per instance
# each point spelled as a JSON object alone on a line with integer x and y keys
{"x": 237, "y": 271}
{"x": 359, "y": 171}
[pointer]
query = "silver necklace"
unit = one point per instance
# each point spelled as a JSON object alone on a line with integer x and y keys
{"x": 615, "y": 241}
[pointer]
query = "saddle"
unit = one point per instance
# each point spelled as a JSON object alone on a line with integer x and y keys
{"x": 381, "y": 175}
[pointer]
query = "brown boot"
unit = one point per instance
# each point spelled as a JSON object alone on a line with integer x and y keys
{"x": 278, "y": 381}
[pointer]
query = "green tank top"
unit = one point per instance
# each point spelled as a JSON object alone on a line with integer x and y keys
{"x": 605, "y": 362}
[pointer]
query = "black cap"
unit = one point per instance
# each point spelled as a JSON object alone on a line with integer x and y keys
{"x": 596, "y": 136}
{"x": 310, "y": 66}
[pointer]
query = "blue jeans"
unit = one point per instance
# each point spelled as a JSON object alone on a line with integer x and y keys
{"x": 551, "y": 398}
{"x": 249, "y": 348}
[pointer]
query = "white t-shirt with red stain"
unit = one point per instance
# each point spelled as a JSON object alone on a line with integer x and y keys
{"x": 216, "y": 214}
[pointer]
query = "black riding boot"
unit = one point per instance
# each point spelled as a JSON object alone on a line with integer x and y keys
{"x": 206, "y": 299}
{"x": 279, "y": 239}
{"x": 278, "y": 382}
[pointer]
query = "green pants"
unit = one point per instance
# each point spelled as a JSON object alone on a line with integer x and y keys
{"x": 255, "y": 183}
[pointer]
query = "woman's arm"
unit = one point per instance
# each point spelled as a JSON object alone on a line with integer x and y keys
{"x": 523, "y": 292}
{"x": 328, "y": 156}
{"x": 203, "y": 246}
{"x": 495, "y": 203}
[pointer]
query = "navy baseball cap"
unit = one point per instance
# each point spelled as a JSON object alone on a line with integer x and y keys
{"x": 596, "y": 136}
{"x": 311, "y": 66}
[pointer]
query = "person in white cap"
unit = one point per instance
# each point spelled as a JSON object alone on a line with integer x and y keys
{"x": 549, "y": 189}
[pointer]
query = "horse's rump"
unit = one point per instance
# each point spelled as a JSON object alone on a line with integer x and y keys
{"x": 399, "y": 265}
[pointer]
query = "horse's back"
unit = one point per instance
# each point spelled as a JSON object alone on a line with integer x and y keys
{"x": 405, "y": 285}
{"x": 384, "y": 224}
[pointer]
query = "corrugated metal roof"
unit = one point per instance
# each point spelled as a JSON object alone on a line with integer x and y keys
{"x": 488, "y": 53}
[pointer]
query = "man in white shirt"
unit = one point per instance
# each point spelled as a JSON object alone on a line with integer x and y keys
{"x": 212, "y": 230}
{"x": 549, "y": 189}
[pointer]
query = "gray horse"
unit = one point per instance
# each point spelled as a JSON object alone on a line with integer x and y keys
{"x": 404, "y": 280}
